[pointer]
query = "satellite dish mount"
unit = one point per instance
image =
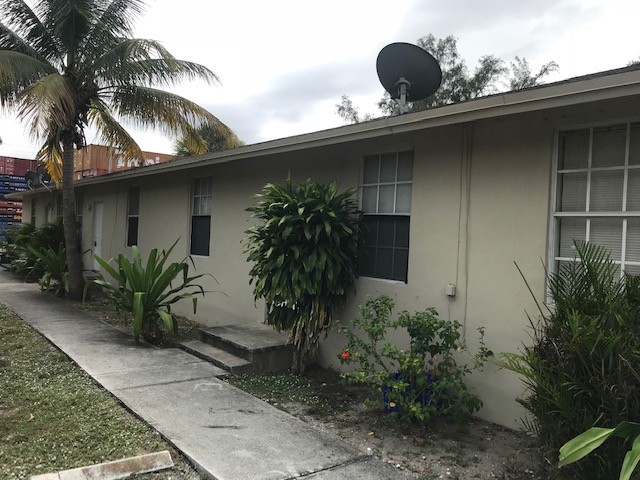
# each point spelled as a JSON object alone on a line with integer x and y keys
{"x": 409, "y": 73}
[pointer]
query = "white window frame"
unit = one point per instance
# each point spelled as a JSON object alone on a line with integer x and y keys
{"x": 554, "y": 240}
{"x": 192, "y": 213}
{"x": 130, "y": 215}
{"x": 377, "y": 213}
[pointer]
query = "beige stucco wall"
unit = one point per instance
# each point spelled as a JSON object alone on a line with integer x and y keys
{"x": 480, "y": 203}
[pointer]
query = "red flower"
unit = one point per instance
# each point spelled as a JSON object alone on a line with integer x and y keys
{"x": 345, "y": 355}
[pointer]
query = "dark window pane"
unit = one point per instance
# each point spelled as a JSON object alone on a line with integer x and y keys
{"x": 369, "y": 231}
{"x": 400, "y": 265}
{"x": 200, "y": 235}
{"x": 384, "y": 263}
{"x": 384, "y": 247}
{"x": 132, "y": 232}
{"x": 367, "y": 262}
{"x": 386, "y": 231}
{"x": 402, "y": 232}
{"x": 134, "y": 200}
{"x": 609, "y": 145}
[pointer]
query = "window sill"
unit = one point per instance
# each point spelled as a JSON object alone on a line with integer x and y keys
{"x": 384, "y": 280}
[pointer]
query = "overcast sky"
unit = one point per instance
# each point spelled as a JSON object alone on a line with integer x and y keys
{"x": 284, "y": 64}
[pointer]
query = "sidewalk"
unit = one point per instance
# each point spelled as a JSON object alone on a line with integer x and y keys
{"x": 226, "y": 433}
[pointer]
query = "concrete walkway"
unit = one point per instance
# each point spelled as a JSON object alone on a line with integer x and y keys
{"x": 225, "y": 432}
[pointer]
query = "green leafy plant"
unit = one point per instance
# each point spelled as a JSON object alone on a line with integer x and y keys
{"x": 419, "y": 383}
{"x": 22, "y": 243}
{"x": 304, "y": 252}
{"x": 53, "y": 264}
{"x": 582, "y": 445}
{"x": 146, "y": 290}
{"x": 581, "y": 367}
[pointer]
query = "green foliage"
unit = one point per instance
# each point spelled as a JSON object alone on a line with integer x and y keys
{"x": 147, "y": 292}
{"x": 422, "y": 382}
{"x": 25, "y": 243}
{"x": 53, "y": 265}
{"x": 215, "y": 140}
{"x": 581, "y": 446}
{"x": 304, "y": 253}
{"x": 581, "y": 368}
{"x": 69, "y": 65}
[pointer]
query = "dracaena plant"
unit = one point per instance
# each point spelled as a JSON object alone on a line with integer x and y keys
{"x": 304, "y": 252}
{"x": 148, "y": 289}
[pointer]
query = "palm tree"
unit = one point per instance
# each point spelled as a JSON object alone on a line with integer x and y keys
{"x": 66, "y": 65}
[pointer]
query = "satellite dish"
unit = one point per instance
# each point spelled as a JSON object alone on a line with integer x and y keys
{"x": 408, "y": 73}
{"x": 35, "y": 179}
{"x": 42, "y": 172}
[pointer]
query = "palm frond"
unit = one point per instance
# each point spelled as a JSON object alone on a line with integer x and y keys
{"x": 18, "y": 71}
{"x": 50, "y": 155}
{"x": 25, "y": 24}
{"x": 113, "y": 23}
{"x": 144, "y": 62}
{"x": 71, "y": 20}
{"x": 113, "y": 133}
{"x": 152, "y": 108}
{"x": 49, "y": 101}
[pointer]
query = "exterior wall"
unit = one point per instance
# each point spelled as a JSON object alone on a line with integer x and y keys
{"x": 480, "y": 202}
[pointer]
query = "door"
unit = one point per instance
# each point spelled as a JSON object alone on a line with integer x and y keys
{"x": 98, "y": 213}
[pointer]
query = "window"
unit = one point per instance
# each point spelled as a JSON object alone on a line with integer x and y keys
{"x": 597, "y": 194}
{"x": 79, "y": 214}
{"x": 33, "y": 211}
{"x": 201, "y": 216}
{"x": 133, "y": 214}
{"x": 386, "y": 207}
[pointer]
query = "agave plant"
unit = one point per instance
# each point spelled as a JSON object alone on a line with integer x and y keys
{"x": 146, "y": 290}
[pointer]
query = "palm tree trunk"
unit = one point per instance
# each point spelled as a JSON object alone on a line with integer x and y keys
{"x": 74, "y": 260}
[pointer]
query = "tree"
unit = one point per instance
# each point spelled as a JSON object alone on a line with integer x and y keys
{"x": 458, "y": 84}
{"x": 214, "y": 139}
{"x": 69, "y": 64}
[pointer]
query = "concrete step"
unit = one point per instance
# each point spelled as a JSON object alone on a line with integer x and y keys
{"x": 264, "y": 347}
{"x": 216, "y": 356}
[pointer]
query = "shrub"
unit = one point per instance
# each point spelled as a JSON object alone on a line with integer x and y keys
{"x": 53, "y": 265}
{"x": 582, "y": 367}
{"x": 23, "y": 241}
{"x": 581, "y": 446}
{"x": 146, "y": 290}
{"x": 419, "y": 383}
{"x": 304, "y": 253}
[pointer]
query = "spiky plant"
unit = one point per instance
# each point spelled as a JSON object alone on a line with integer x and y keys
{"x": 582, "y": 368}
{"x": 66, "y": 65}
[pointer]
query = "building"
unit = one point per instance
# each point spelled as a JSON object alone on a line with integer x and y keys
{"x": 458, "y": 194}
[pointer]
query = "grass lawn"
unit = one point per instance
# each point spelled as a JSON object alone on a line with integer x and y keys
{"x": 54, "y": 417}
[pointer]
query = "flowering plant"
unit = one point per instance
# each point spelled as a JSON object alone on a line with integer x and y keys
{"x": 423, "y": 381}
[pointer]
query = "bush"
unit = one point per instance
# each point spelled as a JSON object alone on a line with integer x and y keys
{"x": 582, "y": 367}
{"x": 24, "y": 241}
{"x": 304, "y": 252}
{"x": 422, "y": 382}
{"x": 53, "y": 265}
{"x": 146, "y": 291}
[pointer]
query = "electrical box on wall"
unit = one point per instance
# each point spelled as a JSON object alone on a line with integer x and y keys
{"x": 450, "y": 290}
